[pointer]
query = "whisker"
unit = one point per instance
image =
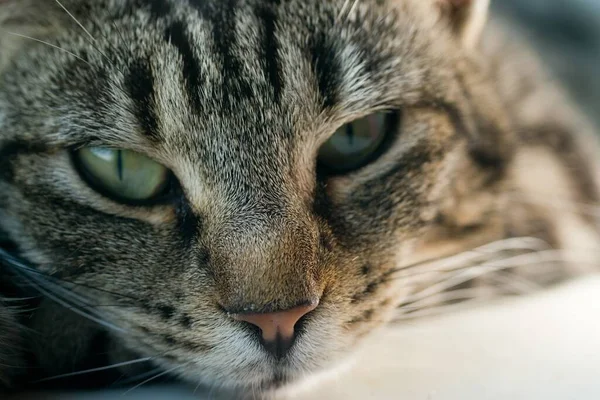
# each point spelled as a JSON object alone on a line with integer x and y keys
{"x": 138, "y": 377}
{"x": 154, "y": 377}
{"x": 17, "y": 299}
{"x": 24, "y": 311}
{"x": 198, "y": 387}
{"x": 517, "y": 243}
{"x": 55, "y": 287}
{"x": 13, "y": 366}
{"x": 566, "y": 205}
{"x": 89, "y": 371}
{"x": 516, "y": 284}
{"x": 470, "y": 273}
{"x": 76, "y": 310}
{"x": 19, "y": 264}
{"x": 444, "y": 297}
{"x": 116, "y": 28}
{"x": 410, "y": 277}
{"x": 83, "y": 285}
{"x": 254, "y": 389}
{"x": 54, "y": 292}
{"x": 512, "y": 244}
{"x": 81, "y": 26}
{"x": 443, "y": 309}
{"x": 31, "y": 274}
{"x": 48, "y": 44}
{"x": 94, "y": 41}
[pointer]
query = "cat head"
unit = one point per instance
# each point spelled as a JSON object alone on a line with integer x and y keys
{"x": 190, "y": 166}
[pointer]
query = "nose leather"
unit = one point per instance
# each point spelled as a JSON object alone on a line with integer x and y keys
{"x": 279, "y": 325}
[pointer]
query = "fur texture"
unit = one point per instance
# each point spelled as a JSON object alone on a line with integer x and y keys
{"x": 236, "y": 97}
{"x": 10, "y": 361}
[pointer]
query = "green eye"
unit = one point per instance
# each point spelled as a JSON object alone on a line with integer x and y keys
{"x": 358, "y": 143}
{"x": 123, "y": 174}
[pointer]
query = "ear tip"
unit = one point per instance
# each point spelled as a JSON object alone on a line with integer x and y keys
{"x": 466, "y": 17}
{"x": 460, "y": 3}
{"x": 452, "y": 3}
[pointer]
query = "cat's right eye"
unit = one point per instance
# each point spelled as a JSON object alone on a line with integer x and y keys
{"x": 124, "y": 175}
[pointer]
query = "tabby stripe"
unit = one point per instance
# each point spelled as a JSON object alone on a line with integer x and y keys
{"x": 485, "y": 145}
{"x": 481, "y": 151}
{"x": 188, "y": 223}
{"x": 159, "y": 8}
{"x": 222, "y": 16}
{"x": 225, "y": 38}
{"x": 10, "y": 150}
{"x": 325, "y": 63}
{"x": 176, "y": 34}
{"x": 140, "y": 84}
{"x": 270, "y": 47}
{"x": 561, "y": 142}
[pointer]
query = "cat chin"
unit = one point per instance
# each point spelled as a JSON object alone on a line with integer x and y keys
{"x": 277, "y": 389}
{"x": 310, "y": 383}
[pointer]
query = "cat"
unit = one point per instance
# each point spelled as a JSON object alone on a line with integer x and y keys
{"x": 9, "y": 345}
{"x": 237, "y": 192}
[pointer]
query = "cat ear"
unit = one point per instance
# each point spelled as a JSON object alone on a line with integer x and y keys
{"x": 466, "y": 18}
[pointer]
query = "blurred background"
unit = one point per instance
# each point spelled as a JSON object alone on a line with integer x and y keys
{"x": 567, "y": 36}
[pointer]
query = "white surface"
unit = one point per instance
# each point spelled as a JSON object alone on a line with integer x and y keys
{"x": 542, "y": 347}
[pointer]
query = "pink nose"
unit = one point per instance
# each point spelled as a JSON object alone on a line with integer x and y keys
{"x": 278, "y": 329}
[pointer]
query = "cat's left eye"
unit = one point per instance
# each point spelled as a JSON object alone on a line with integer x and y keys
{"x": 358, "y": 143}
{"x": 124, "y": 175}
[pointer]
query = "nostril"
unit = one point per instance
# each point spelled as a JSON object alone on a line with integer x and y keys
{"x": 253, "y": 329}
{"x": 278, "y": 329}
{"x": 278, "y": 347}
{"x": 300, "y": 326}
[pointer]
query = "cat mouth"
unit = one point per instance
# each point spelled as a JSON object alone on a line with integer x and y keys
{"x": 277, "y": 381}
{"x": 273, "y": 377}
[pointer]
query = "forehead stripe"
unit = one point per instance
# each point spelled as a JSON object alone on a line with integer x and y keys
{"x": 159, "y": 8}
{"x": 222, "y": 15}
{"x": 140, "y": 85}
{"x": 270, "y": 47}
{"x": 326, "y": 66}
{"x": 176, "y": 34}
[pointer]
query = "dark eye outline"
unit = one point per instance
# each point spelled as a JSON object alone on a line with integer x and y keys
{"x": 169, "y": 195}
{"x": 392, "y": 125}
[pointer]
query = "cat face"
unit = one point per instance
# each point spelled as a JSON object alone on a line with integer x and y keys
{"x": 229, "y": 107}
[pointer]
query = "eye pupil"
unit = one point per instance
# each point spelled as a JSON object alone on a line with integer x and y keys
{"x": 120, "y": 164}
{"x": 350, "y": 134}
{"x": 123, "y": 175}
{"x": 358, "y": 143}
